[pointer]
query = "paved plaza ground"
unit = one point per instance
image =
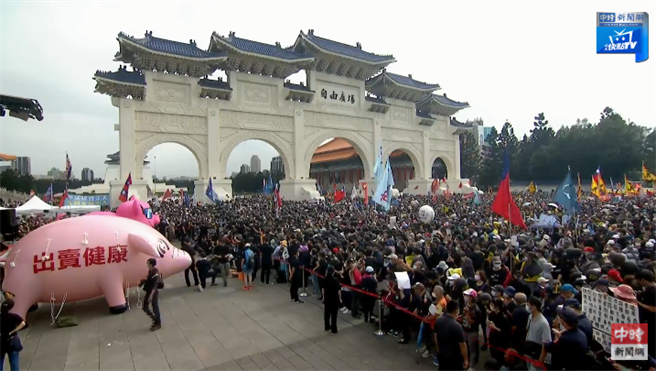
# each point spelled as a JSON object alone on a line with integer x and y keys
{"x": 218, "y": 329}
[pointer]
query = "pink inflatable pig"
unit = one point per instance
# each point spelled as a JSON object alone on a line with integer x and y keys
{"x": 83, "y": 258}
{"x": 135, "y": 210}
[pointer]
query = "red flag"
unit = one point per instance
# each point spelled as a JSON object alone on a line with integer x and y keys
{"x": 63, "y": 198}
{"x": 435, "y": 185}
{"x": 505, "y": 206}
{"x": 417, "y": 187}
{"x": 166, "y": 195}
{"x": 123, "y": 197}
{"x": 460, "y": 185}
{"x": 339, "y": 195}
{"x": 365, "y": 190}
{"x": 278, "y": 198}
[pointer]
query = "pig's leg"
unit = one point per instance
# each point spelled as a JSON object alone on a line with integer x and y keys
{"x": 114, "y": 294}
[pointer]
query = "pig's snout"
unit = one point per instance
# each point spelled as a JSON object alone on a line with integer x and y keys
{"x": 179, "y": 260}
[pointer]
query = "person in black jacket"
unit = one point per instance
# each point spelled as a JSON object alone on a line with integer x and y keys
{"x": 150, "y": 285}
{"x": 189, "y": 249}
{"x": 369, "y": 284}
{"x": 332, "y": 300}
{"x": 205, "y": 271}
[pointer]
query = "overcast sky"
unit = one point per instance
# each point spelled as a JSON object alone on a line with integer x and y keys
{"x": 509, "y": 60}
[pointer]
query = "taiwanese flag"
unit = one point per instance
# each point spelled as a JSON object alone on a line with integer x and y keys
{"x": 340, "y": 195}
{"x": 63, "y": 198}
{"x": 503, "y": 204}
{"x": 123, "y": 197}
{"x": 167, "y": 195}
{"x": 69, "y": 168}
{"x": 276, "y": 192}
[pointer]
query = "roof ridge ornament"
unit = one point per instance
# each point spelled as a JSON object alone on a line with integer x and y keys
{"x": 148, "y": 34}
{"x": 231, "y": 34}
{"x": 311, "y": 31}
{"x": 358, "y": 45}
{"x": 410, "y": 75}
{"x": 278, "y": 44}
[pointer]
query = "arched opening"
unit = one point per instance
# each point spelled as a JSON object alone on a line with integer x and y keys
{"x": 405, "y": 165}
{"x": 170, "y": 166}
{"x": 254, "y": 166}
{"x": 403, "y": 169}
{"x": 439, "y": 169}
{"x": 336, "y": 163}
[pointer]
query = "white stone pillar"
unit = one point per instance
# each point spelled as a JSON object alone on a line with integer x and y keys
{"x": 301, "y": 169}
{"x": 377, "y": 142}
{"x": 425, "y": 159}
{"x": 127, "y": 139}
{"x": 213, "y": 150}
{"x": 456, "y": 157}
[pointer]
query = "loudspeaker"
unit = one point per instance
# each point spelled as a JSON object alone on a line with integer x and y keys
{"x": 7, "y": 222}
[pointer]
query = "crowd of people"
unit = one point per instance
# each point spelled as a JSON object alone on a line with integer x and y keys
{"x": 476, "y": 284}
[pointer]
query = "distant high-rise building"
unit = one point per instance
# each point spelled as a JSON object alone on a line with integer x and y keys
{"x": 244, "y": 169}
{"x": 277, "y": 166}
{"x": 56, "y": 174}
{"x": 23, "y": 165}
{"x": 256, "y": 164}
{"x": 87, "y": 174}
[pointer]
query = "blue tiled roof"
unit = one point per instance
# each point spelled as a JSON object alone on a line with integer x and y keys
{"x": 156, "y": 44}
{"x": 446, "y": 101}
{"x": 459, "y": 124}
{"x": 214, "y": 84}
{"x": 122, "y": 75}
{"x": 369, "y": 98}
{"x": 424, "y": 115}
{"x": 256, "y": 47}
{"x": 343, "y": 49}
{"x": 299, "y": 87}
{"x": 410, "y": 82}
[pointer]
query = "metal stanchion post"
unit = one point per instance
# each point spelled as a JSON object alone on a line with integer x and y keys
{"x": 380, "y": 332}
{"x": 304, "y": 293}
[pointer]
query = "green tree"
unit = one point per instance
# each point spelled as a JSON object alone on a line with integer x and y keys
{"x": 14, "y": 181}
{"x": 470, "y": 156}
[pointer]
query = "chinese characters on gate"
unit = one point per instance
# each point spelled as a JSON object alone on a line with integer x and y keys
{"x": 629, "y": 342}
{"x": 73, "y": 258}
{"x": 340, "y": 97}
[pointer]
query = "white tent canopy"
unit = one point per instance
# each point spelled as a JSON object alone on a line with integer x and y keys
{"x": 34, "y": 206}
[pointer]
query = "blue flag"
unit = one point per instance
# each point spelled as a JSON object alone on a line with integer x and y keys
{"x": 378, "y": 166}
{"x": 186, "y": 200}
{"x": 390, "y": 184}
{"x": 565, "y": 195}
{"x": 268, "y": 189}
{"x": 506, "y": 165}
{"x": 211, "y": 193}
{"x": 382, "y": 195}
{"x": 477, "y": 200}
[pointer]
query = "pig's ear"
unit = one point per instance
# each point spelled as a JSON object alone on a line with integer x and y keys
{"x": 146, "y": 246}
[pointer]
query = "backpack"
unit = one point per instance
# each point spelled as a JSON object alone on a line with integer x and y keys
{"x": 248, "y": 260}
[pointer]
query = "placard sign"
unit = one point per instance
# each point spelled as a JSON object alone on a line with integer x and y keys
{"x": 603, "y": 311}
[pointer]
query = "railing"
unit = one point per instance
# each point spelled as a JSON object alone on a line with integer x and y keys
{"x": 13, "y": 195}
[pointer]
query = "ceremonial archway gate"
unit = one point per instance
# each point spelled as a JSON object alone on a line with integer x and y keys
{"x": 348, "y": 94}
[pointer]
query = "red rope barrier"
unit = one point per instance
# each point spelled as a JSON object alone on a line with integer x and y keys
{"x": 423, "y": 319}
